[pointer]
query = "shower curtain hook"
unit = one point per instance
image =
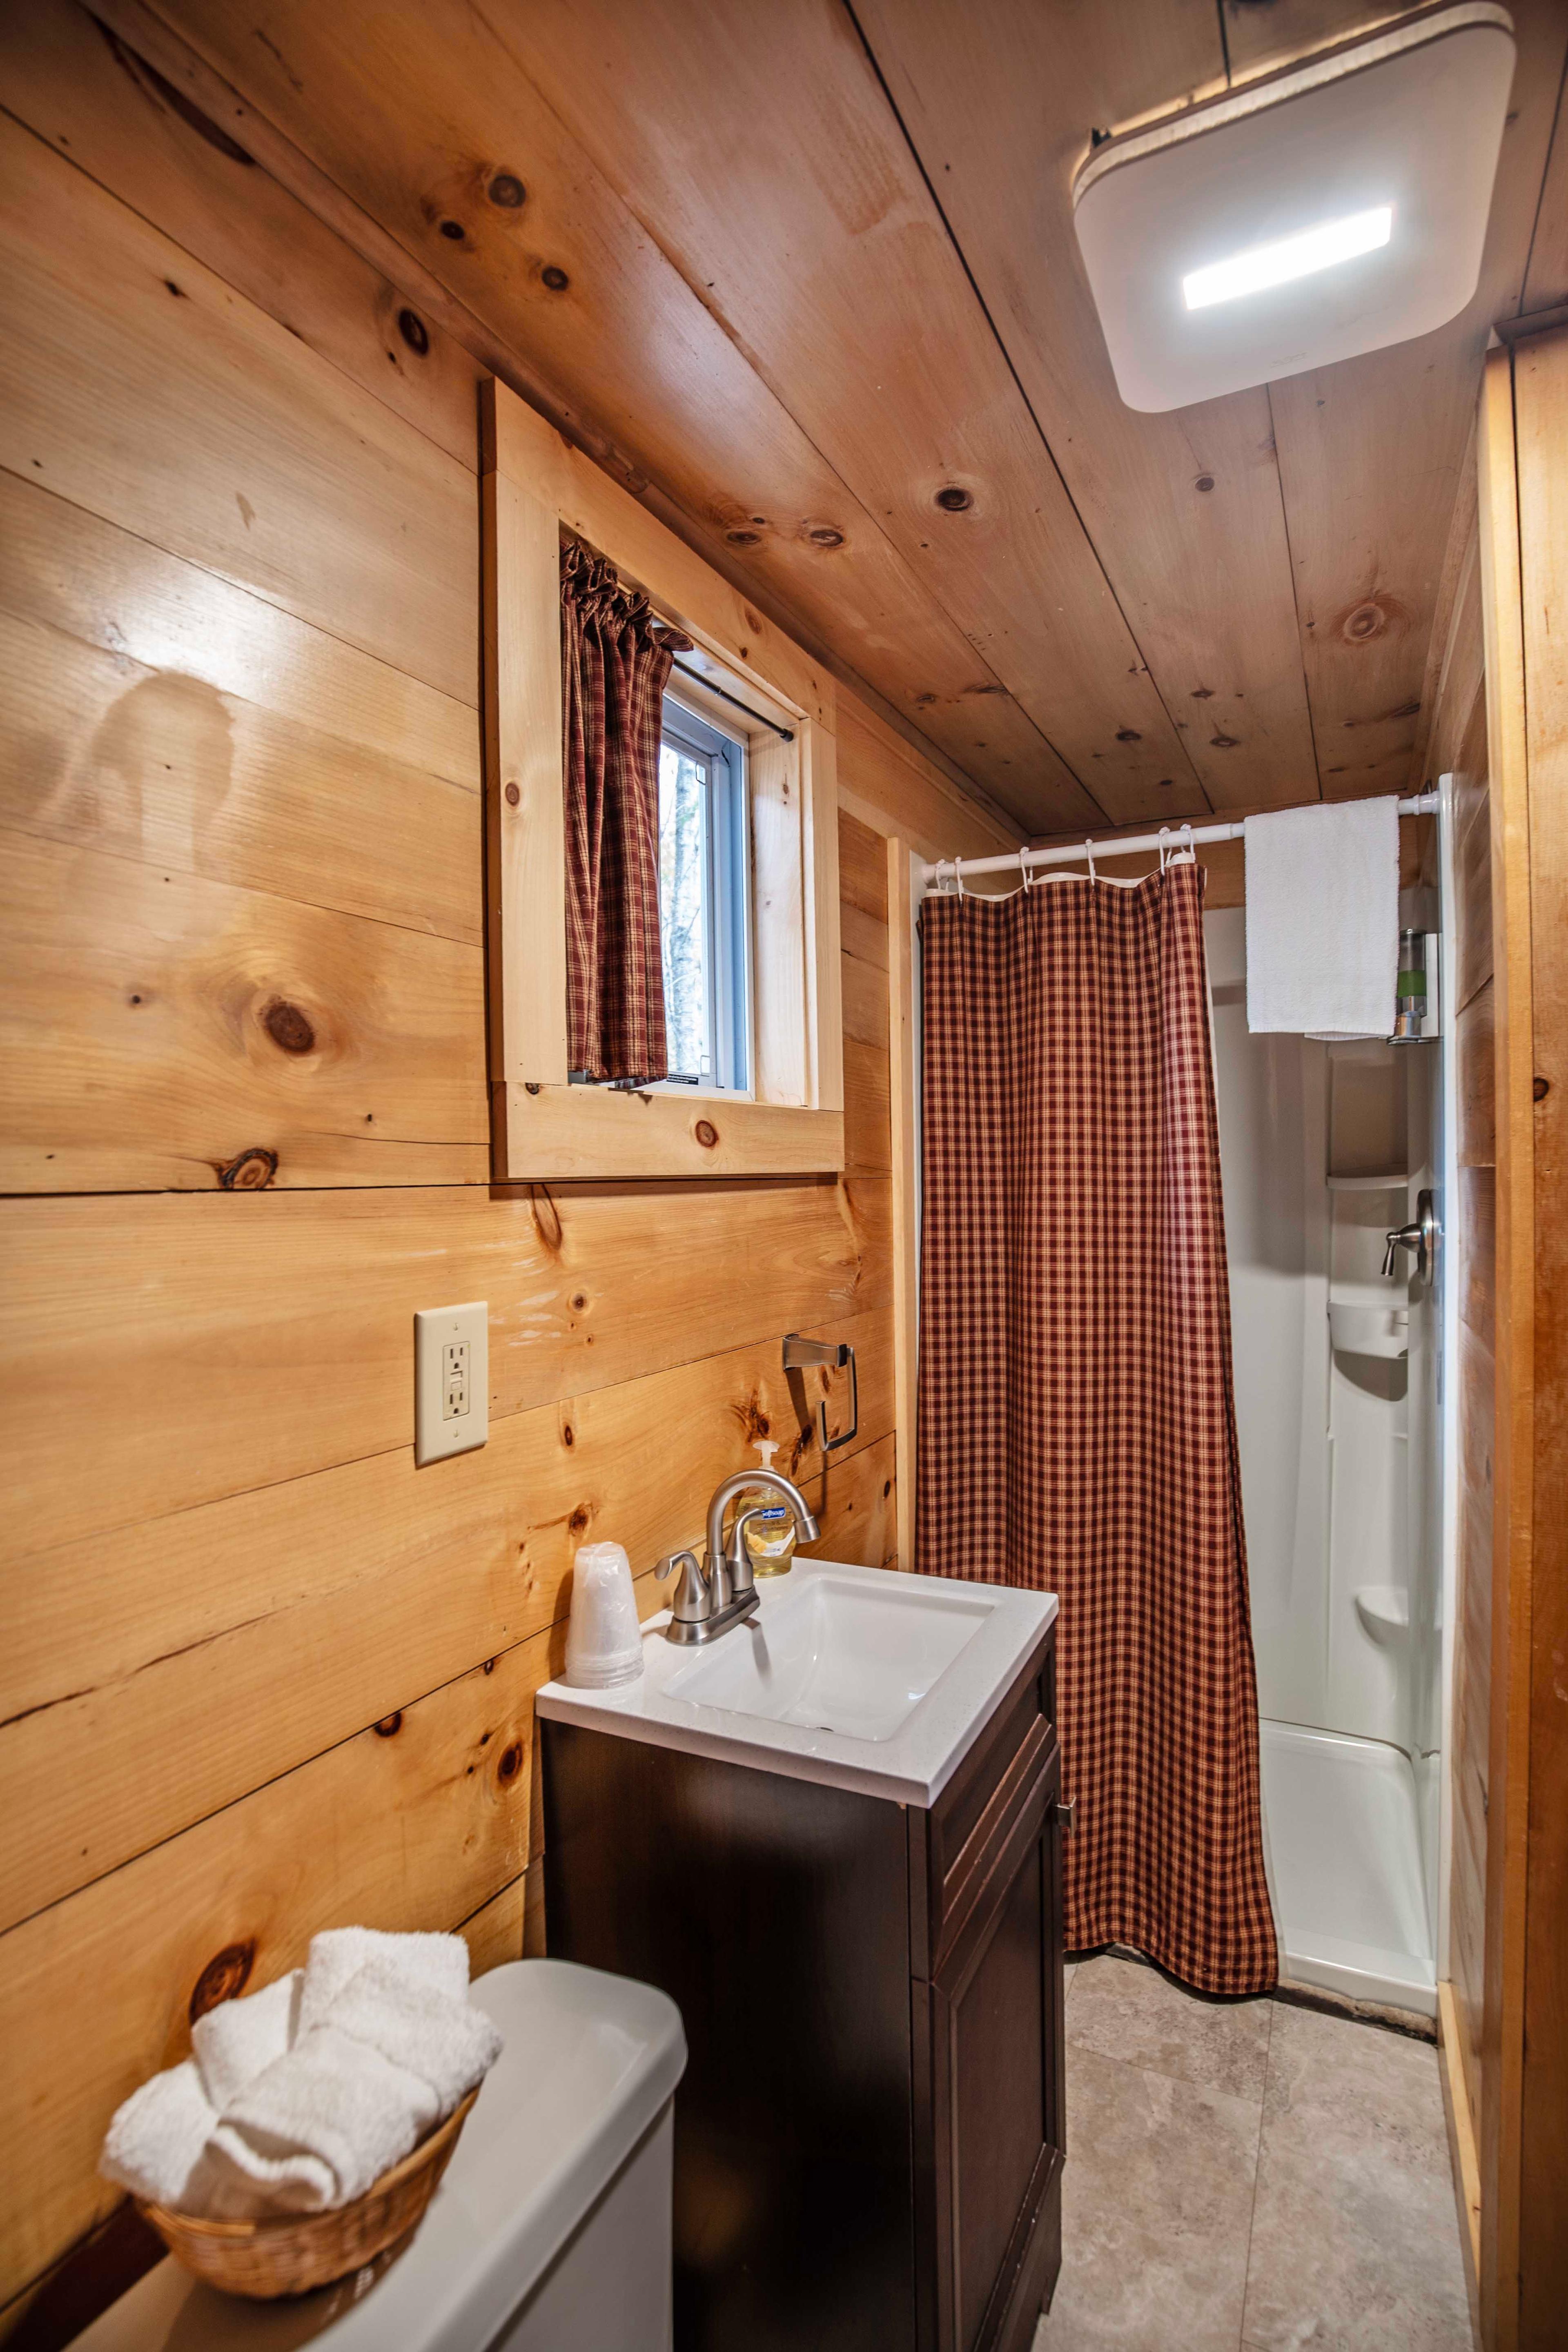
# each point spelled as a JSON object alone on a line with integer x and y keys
{"x": 1164, "y": 845}
{"x": 1023, "y": 870}
{"x": 958, "y": 875}
{"x": 1088, "y": 853}
{"x": 1189, "y": 844}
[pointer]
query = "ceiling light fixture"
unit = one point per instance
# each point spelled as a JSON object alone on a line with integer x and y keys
{"x": 1293, "y": 256}
{"x": 1347, "y": 197}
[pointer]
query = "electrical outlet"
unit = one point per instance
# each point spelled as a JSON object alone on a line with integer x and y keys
{"x": 451, "y": 1380}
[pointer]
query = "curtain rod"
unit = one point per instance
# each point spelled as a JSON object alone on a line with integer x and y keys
{"x": 1123, "y": 845}
{"x": 761, "y": 719}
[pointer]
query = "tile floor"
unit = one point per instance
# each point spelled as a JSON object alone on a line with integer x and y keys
{"x": 1249, "y": 2177}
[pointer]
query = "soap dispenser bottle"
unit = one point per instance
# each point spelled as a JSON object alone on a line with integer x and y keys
{"x": 770, "y": 1527}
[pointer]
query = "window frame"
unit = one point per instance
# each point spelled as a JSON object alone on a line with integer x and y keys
{"x": 534, "y": 489}
{"x": 728, "y": 891}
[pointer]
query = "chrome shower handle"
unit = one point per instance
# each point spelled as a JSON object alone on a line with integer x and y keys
{"x": 1406, "y": 1237}
{"x": 1420, "y": 1235}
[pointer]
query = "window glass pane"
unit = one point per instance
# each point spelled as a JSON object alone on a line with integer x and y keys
{"x": 684, "y": 868}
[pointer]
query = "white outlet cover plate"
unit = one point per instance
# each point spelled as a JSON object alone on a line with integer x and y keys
{"x": 1411, "y": 117}
{"x": 435, "y": 1436}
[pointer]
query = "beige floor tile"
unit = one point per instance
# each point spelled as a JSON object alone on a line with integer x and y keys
{"x": 1355, "y": 2245}
{"x": 1135, "y": 2014}
{"x": 1156, "y": 2200}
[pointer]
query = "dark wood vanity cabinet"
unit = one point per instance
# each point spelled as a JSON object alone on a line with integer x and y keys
{"x": 869, "y": 2136}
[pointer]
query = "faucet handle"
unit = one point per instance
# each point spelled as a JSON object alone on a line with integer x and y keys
{"x": 692, "y": 1600}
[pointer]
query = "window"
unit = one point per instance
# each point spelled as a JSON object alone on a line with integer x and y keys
{"x": 703, "y": 901}
{"x": 749, "y": 910}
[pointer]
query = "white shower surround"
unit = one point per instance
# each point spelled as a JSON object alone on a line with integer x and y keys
{"x": 1349, "y": 1697}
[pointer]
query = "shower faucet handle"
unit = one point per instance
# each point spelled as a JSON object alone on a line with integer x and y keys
{"x": 1420, "y": 1235}
{"x": 1405, "y": 1237}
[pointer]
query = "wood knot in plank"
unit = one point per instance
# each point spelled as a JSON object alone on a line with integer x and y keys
{"x": 224, "y": 1974}
{"x": 289, "y": 1028}
{"x": 251, "y": 1171}
{"x": 546, "y": 1217}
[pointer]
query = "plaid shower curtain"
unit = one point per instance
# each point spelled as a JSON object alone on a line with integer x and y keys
{"x": 1077, "y": 1414}
{"x": 614, "y": 662}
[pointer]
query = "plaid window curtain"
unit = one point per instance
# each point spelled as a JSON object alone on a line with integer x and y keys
{"x": 1077, "y": 1411}
{"x": 614, "y": 662}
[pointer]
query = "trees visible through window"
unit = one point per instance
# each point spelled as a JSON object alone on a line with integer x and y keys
{"x": 703, "y": 900}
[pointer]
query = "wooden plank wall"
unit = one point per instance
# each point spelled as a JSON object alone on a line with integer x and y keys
{"x": 258, "y": 1674}
{"x": 1537, "y": 1092}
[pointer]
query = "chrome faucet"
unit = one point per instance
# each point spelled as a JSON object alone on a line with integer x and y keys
{"x": 721, "y": 1591}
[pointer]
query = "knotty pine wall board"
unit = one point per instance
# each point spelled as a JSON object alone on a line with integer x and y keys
{"x": 347, "y": 1592}
{"x": 277, "y": 1337}
{"x": 65, "y": 569}
{"x": 416, "y": 1822}
{"x": 856, "y": 596}
{"x": 261, "y": 1675}
{"x": 163, "y": 1031}
{"x": 136, "y": 383}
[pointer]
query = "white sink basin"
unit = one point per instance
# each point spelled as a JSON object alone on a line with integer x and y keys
{"x": 841, "y": 1655}
{"x": 860, "y": 1677}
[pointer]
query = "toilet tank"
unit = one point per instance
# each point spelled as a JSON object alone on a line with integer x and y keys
{"x": 551, "y": 2231}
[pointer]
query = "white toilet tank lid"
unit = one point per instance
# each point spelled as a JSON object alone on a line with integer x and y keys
{"x": 590, "y": 2061}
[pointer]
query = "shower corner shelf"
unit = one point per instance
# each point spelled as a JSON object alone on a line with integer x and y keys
{"x": 1384, "y": 1613}
{"x": 1360, "y": 1328}
{"x": 1387, "y": 1180}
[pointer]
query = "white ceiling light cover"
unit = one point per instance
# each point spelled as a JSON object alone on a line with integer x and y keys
{"x": 1328, "y": 210}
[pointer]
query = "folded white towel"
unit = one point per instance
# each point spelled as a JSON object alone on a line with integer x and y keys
{"x": 1322, "y": 919}
{"x": 156, "y": 2143}
{"x": 338, "y": 1954}
{"x": 277, "y": 2111}
{"x": 238, "y": 2040}
{"x": 447, "y": 2044}
{"x": 325, "y": 2121}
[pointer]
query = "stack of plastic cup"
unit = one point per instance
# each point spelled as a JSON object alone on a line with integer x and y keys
{"x": 603, "y": 1636}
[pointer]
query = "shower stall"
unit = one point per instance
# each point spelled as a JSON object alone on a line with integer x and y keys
{"x": 1325, "y": 1150}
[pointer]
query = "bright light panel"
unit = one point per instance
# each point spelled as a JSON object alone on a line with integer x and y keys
{"x": 1293, "y": 256}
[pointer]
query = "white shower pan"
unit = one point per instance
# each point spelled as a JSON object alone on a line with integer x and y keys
{"x": 1345, "y": 1847}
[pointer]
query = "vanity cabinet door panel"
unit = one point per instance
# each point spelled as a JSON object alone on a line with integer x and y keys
{"x": 988, "y": 2029}
{"x": 954, "y": 1848}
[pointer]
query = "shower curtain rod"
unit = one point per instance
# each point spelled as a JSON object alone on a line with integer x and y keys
{"x": 1122, "y": 845}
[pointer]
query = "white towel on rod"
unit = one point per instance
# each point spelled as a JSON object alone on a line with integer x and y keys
{"x": 1322, "y": 919}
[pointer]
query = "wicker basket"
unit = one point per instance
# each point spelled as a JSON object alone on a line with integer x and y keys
{"x": 291, "y": 2254}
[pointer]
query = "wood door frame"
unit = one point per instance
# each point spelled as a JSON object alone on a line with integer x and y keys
{"x": 1524, "y": 481}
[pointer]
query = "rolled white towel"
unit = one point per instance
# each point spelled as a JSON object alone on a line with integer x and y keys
{"x": 340, "y": 1953}
{"x": 238, "y": 2040}
{"x": 448, "y": 2044}
{"x": 318, "y": 2128}
{"x": 280, "y": 2112}
{"x": 155, "y": 2143}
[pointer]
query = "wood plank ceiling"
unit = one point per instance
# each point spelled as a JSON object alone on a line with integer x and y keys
{"x": 804, "y": 275}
